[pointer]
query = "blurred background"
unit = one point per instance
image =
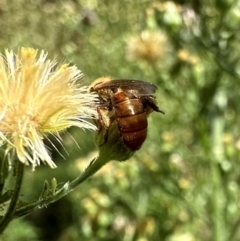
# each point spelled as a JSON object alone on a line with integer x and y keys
{"x": 183, "y": 185}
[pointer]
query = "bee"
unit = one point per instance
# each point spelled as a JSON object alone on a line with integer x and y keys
{"x": 128, "y": 103}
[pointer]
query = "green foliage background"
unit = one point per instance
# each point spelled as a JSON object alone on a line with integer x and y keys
{"x": 183, "y": 185}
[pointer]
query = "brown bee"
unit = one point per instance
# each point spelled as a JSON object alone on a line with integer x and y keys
{"x": 128, "y": 102}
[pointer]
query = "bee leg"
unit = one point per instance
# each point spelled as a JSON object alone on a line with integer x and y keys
{"x": 149, "y": 101}
{"x": 103, "y": 122}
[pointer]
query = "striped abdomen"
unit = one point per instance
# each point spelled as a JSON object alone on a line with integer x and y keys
{"x": 131, "y": 118}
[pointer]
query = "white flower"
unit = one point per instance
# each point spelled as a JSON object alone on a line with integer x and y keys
{"x": 37, "y": 98}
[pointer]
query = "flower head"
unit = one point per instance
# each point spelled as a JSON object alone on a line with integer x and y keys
{"x": 149, "y": 46}
{"x": 37, "y": 98}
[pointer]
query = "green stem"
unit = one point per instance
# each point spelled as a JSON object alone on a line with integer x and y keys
{"x": 218, "y": 195}
{"x": 14, "y": 199}
{"x": 218, "y": 202}
{"x": 3, "y": 172}
{"x": 93, "y": 167}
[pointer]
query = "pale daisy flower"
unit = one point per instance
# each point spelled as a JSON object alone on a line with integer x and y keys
{"x": 149, "y": 46}
{"x": 38, "y": 97}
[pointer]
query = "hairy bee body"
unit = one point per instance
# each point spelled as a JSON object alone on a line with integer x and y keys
{"x": 128, "y": 102}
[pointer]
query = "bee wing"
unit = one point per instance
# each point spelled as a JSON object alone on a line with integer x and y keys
{"x": 140, "y": 86}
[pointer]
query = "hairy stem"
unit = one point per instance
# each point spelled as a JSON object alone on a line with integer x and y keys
{"x": 93, "y": 167}
{"x": 14, "y": 199}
